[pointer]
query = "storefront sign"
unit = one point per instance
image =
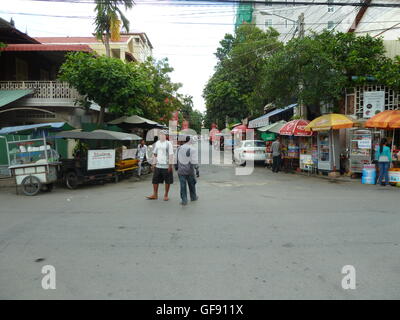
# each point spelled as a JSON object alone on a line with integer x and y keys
{"x": 364, "y": 144}
{"x": 101, "y": 159}
{"x": 374, "y": 102}
{"x": 268, "y": 136}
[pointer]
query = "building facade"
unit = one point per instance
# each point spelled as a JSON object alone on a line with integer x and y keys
{"x": 134, "y": 46}
{"x": 29, "y": 90}
{"x": 376, "y": 21}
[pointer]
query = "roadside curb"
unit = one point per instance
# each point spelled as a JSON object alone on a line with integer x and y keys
{"x": 7, "y": 182}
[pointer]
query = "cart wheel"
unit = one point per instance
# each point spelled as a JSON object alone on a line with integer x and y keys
{"x": 31, "y": 185}
{"x": 71, "y": 180}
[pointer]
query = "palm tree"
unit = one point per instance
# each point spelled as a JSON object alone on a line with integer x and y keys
{"x": 108, "y": 20}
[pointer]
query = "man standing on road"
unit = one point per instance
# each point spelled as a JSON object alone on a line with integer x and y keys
{"x": 163, "y": 158}
{"x": 276, "y": 155}
{"x": 187, "y": 166}
{"x": 141, "y": 154}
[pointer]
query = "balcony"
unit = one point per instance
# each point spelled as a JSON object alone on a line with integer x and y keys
{"x": 45, "y": 93}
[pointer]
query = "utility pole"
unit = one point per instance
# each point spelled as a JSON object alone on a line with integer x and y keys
{"x": 302, "y": 109}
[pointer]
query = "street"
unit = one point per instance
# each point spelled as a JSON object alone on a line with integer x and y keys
{"x": 263, "y": 236}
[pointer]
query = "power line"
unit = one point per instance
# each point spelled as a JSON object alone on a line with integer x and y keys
{"x": 225, "y": 2}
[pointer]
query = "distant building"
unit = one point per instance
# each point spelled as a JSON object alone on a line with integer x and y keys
{"x": 133, "y": 46}
{"x": 376, "y": 21}
{"x": 29, "y": 90}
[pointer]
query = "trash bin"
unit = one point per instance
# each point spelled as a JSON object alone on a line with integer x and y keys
{"x": 368, "y": 174}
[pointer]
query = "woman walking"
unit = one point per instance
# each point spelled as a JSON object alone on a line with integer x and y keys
{"x": 383, "y": 156}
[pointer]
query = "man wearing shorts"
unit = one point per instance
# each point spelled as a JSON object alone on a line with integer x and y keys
{"x": 163, "y": 158}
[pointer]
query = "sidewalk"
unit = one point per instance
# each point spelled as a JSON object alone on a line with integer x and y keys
{"x": 7, "y": 182}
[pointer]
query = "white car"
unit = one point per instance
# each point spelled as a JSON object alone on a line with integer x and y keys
{"x": 249, "y": 150}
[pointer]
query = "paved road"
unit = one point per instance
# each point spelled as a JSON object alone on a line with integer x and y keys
{"x": 264, "y": 236}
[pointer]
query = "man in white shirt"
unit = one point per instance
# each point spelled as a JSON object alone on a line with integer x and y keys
{"x": 163, "y": 159}
{"x": 141, "y": 154}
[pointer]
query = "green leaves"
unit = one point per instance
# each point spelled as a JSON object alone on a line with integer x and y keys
{"x": 123, "y": 88}
{"x": 233, "y": 90}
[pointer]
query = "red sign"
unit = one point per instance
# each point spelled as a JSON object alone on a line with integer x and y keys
{"x": 296, "y": 128}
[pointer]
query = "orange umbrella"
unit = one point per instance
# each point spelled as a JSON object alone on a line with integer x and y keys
{"x": 389, "y": 119}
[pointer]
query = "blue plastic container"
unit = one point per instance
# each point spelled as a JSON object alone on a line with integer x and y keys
{"x": 368, "y": 175}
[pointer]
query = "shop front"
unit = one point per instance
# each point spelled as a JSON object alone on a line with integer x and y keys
{"x": 328, "y": 142}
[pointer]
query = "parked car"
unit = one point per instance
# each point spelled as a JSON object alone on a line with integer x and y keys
{"x": 249, "y": 150}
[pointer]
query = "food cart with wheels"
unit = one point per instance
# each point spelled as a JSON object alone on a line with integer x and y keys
{"x": 33, "y": 159}
{"x": 97, "y": 164}
{"x": 35, "y": 167}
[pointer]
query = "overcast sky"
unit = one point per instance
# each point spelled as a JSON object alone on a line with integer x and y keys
{"x": 186, "y": 34}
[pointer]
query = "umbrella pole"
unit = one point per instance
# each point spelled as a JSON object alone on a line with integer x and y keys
{"x": 333, "y": 151}
{"x": 394, "y": 131}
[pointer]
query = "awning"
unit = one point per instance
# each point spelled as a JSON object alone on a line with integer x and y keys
{"x": 8, "y": 96}
{"x": 99, "y": 135}
{"x": 273, "y": 127}
{"x": 264, "y": 120}
{"x": 53, "y": 126}
{"x": 136, "y": 121}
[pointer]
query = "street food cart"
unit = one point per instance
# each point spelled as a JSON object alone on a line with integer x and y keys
{"x": 362, "y": 145}
{"x": 35, "y": 166}
{"x": 101, "y": 163}
{"x": 33, "y": 159}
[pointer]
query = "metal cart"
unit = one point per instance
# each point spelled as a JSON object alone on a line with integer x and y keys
{"x": 34, "y": 167}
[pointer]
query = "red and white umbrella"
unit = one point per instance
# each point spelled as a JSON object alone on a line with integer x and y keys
{"x": 296, "y": 128}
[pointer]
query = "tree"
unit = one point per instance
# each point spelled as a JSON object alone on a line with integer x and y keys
{"x": 232, "y": 90}
{"x": 324, "y": 64}
{"x": 120, "y": 87}
{"x": 188, "y": 113}
{"x": 164, "y": 97}
{"x": 108, "y": 20}
{"x": 2, "y": 45}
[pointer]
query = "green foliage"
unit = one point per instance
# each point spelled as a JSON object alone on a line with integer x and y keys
{"x": 123, "y": 88}
{"x": 188, "y": 113}
{"x": 108, "y": 19}
{"x": 2, "y": 45}
{"x": 163, "y": 99}
{"x": 109, "y": 82}
{"x": 232, "y": 90}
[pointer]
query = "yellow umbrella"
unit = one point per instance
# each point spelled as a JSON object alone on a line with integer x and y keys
{"x": 330, "y": 121}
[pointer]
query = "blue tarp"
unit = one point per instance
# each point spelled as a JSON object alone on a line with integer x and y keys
{"x": 264, "y": 120}
{"x": 53, "y": 126}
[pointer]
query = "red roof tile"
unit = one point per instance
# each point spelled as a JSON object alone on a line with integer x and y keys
{"x": 63, "y": 40}
{"x": 46, "y": 47}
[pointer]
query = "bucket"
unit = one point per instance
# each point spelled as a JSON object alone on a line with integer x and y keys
{"x": 368, "y": 174}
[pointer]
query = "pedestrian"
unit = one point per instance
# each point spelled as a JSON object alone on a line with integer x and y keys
{"x": 276, "y": 155}
{"x": 163, "y": 157}
{"x": 141, "y": 154}
{"x": 187, "y": 167}
{"x": 383, "y": 156}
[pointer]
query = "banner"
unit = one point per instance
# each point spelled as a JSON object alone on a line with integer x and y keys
{"x": 374, "y": 102}
{"x": 101, "y": 159}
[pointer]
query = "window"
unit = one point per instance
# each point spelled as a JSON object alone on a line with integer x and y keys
{"x": 330, "y": 7}
{"x": 331, "y": 25}
{"x": 268, "y": 23}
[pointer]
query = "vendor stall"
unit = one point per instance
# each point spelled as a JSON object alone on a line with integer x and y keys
{"x": 269, "y": 134}
{"x": 297, "y": 145}
{"x": 362, "y": 145}
{"x": 327, "y": 127}
{"x": 32, "y": 154}
{"x": 99, "y": 164}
